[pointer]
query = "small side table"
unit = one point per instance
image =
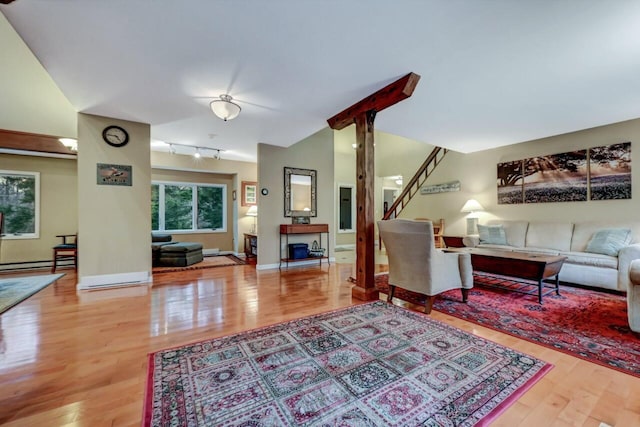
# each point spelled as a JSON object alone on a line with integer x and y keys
{"x": 251, "y": 246}
{"x": 453, "y": 241}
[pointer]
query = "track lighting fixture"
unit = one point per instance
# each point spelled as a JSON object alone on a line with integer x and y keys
{"x": 199, "y": 150}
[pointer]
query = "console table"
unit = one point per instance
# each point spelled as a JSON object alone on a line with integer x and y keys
{"x": 298, "y": 229}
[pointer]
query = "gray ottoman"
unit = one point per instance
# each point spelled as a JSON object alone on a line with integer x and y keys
{"x": 180, "y": 254}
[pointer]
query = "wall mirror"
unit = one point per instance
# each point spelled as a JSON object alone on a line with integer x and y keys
{"x": 299, "y": 192}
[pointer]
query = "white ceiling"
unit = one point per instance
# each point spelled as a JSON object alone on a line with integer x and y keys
{"x": 494, "y": 72}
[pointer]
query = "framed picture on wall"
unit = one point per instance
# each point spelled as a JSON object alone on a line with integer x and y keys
{"x": 108, "y": 174}
{"x": 249, "y": 193}
{"x": 610, "y": 171}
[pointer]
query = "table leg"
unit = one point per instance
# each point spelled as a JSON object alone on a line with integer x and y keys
{"x": 540, "y": 291}
{"x": 557, "y": 284}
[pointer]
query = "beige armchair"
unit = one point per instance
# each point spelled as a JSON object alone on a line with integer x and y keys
{"x": 633, "y": 296}
{"x": 416, "y": 265}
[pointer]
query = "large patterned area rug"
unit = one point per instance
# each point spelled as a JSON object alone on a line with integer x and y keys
{"x": 207, "y": 262}
{"x": 588, "y": 324}
{"x": 17, "y": 289}
{"x": 367, "y": 365}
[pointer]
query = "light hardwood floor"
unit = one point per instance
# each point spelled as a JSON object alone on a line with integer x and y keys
{"x": 69, "y": 359}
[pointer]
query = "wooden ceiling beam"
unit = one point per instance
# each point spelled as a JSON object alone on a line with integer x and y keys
{"x": 363, "y": 114}
{"x": 25, "y": 141}
{"x": 386, "y": 97}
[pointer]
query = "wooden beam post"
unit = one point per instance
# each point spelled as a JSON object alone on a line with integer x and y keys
{"x": 363, "y": 114}
{"x": 365, "y": 230}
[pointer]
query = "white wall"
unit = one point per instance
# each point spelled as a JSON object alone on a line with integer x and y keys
{"x": 477, "y": 173}
{"x": 114, "y": 222}
{"x": 31, "y": 101}
{"x": 314, "y": 152}
{"x": 394, "y": 156}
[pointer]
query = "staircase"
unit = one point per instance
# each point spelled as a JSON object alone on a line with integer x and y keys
{"x": 413, "y": 187}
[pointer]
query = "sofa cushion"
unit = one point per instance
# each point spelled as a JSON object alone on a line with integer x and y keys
{"x": 550, "y": 235}
{"x": 609, "y": 241}
{"x": 538, "y": 251}
{"x": 593, "y": 260}
{"x": 492, "y": 234}
{"x": 181, "y": 247}
{"x": 159, "y": 237}
{"x": 516, "y": 231}
{"x": 155, "y": 247}
{"x": 583, "y": 232}
{"x": 495, "y": 247}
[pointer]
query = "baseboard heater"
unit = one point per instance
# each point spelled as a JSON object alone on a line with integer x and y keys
{"x": 31, "y": 265}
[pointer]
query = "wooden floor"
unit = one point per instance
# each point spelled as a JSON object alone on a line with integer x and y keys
{"x": 69, "y": 359}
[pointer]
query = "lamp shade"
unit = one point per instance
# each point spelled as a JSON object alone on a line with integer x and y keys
{"x": 253, "y": 211}
{"x": 224, "y": 108}
{"x": 472, "y": 205}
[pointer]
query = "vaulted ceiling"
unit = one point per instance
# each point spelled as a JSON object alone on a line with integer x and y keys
{"x": 493, "y": 72}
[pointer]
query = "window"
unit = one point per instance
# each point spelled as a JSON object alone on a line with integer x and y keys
{"x": 20, "y": 204}
{"x": 346, "y": 205}
{"x": 177, "y": 206}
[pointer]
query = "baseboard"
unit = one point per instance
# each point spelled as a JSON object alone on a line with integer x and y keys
{"x": 349, "y": 247}
{"x": 33, "y": 265}
{"x": 293, "y": 264}
{"x": 106, "y": 281}
{"x": 211, "y": 252}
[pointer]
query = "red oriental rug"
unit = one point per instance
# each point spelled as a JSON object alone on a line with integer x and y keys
{"x": 372, "y": 364}
{"x": 588, "y": 324}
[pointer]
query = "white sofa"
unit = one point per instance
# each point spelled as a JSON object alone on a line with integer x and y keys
{"x": 633, "y": 296}
{"x": 571, "y": 240}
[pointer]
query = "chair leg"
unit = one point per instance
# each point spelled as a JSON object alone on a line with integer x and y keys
{"x": 392, "y": 290}
{"x": 55, "y": 259}
{"x": 465, "y": 295}
{"x": 428, "y": 303}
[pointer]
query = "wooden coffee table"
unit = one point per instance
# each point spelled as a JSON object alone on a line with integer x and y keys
{"x": 521, "y": 266}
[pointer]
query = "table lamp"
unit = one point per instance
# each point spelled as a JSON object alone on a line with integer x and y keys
{"x": 253, "y": 211}
{"x": 471, "y": 207}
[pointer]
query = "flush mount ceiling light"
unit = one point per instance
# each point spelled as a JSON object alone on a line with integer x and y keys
{"x": 70, "y": 143}
{"x": 225, "y": 108}
{"x": 197, "y": 153}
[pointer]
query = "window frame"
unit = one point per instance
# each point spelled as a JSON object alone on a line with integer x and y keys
{"x": 36, "y": 208}
{"x": 194, "y": 211}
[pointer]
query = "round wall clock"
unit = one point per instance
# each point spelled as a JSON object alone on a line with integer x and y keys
{"x": 115, "y": 136}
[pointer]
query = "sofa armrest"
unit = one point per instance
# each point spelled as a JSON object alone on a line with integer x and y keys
{"x": 471, "y": 240}
{"x": 625, "y": 256}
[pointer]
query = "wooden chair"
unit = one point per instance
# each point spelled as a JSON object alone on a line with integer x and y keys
{"x": 65, "y": 251}
{"x": 438, "y": 230}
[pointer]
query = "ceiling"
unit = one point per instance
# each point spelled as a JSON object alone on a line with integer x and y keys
{"x": 494, "y": 72}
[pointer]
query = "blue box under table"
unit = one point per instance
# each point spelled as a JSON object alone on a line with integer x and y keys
{"x": 298, "y": 250}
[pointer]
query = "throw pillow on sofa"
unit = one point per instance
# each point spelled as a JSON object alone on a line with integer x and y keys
{"x": 492, "y": 234}
{"x": 609, "y": 241}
